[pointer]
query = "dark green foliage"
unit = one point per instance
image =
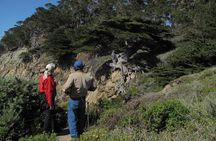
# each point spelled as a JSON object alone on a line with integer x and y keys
{"x": 20, "y": 106}
{"x": 15, "y": 37}
{"x": 73, "y": 27}
{"x": 2, "y": 49}
{"x": 169, "y": 115}
{"x": 194, "y": 54}
{"x": 25, "y": 57}
{"x": 194, "y": 18}
{"x": 203, "y": 17}
{"x": 103, "y": 110}
{"x": 120, "y": 113}
{"x": 140, "y": 39}
{"x": 109, "y": 104}
{"x": 57, "y": 44}
{"x": 162, "y": 75}
{"x": 189, "y": 57}
{"x": 149, "y": 83}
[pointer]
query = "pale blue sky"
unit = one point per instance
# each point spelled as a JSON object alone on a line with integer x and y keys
{"x": 12, "y": 11}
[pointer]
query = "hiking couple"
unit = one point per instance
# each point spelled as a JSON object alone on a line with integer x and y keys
{"x": 76, "y": 87}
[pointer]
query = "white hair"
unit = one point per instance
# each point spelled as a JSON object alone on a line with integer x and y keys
{"x": 49, "y": 70}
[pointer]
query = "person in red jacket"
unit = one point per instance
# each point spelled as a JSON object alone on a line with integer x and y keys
{"x": 41, "y": 81}
{"x": 49, "y": 84}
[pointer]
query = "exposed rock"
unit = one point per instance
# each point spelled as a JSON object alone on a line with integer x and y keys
{"x": 167, "y": 89}
{"x": 128, "y": 71}
{"x": 105, "y": 90}
{"x": 12, "y": 65}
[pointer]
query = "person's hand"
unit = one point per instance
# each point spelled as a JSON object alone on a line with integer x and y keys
{"x": 64, "y": 97}
{"x": 51, "y": 107}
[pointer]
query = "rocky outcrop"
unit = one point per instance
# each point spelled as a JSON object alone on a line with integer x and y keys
{"x": 113, "y": 76}
{"x": 12, "y": 64}
{"x": 106, "y": 88}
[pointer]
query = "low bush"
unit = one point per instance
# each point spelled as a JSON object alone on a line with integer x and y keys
{"x": 110, "y": 118}
{"x": 194, "y": 54}
{"x": 148, "y": 83}
{"x": 190, "y": 57}
{"x": 20, "y": 105}
{"x": 111, "y": 103}
{"x": 102, "y": 111}
{"x": 169, "y": 115}
{"x": 166, "y": 73}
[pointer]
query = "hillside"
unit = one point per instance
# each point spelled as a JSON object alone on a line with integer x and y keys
{"x": 183, "y": 110}
{"x": 155, "y": 80}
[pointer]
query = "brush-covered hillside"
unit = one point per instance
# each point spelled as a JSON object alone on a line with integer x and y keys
{"x": 154, "y": 62}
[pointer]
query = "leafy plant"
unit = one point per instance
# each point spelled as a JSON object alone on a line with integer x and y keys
{"x": 169, "y": 115}
{"x": 20, "y": 105}
{"x": 195, "y": 54}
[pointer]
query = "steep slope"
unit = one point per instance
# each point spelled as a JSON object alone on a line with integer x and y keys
{"x": 183, "y": 110}
{"x": 195, "y": 85}
{"x": 13, "y": 64}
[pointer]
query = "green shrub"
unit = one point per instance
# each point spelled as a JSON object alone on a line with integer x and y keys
{"x": 164, "y": 74}
{"x": 194, "y": 54}
{"x": 57, "y": 44}
{"x": 116, "y": 114}
{"x": 93, "y": 113}
{"x": 169, "y": 115}
{"x": 149, "y": 83}
{"x": 40, "y": 137}
{"x": 133, "y": 91}
{"x": 129, "y": 120}
{"x": 20, "y": 105}
{"x": 189, "y": 57}
{"x": 111, "y": 103}
{"x": 110, "y": 118}
{"x": 103, "y": 111}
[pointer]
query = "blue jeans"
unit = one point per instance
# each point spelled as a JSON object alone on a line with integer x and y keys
{"x": 76, "y": 117}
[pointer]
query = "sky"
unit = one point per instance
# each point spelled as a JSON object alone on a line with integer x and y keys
{"x": 12, "y": 11}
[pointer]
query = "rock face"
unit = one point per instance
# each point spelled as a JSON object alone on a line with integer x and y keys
{"x": 106, "y": 88}
{"x": 13, "y": 66}
{"x": 115, "y": 75}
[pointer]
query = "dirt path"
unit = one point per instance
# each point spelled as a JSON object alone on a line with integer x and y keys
{"x": 63, "y": 138}
{"x": 64, "y": 135}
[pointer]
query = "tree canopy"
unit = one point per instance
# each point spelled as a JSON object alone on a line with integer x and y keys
{"x": 75, "y": 25}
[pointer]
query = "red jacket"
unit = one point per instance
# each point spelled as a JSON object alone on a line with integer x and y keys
{"x": 50, "y": 89}
{"x": 41, "y": 84}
